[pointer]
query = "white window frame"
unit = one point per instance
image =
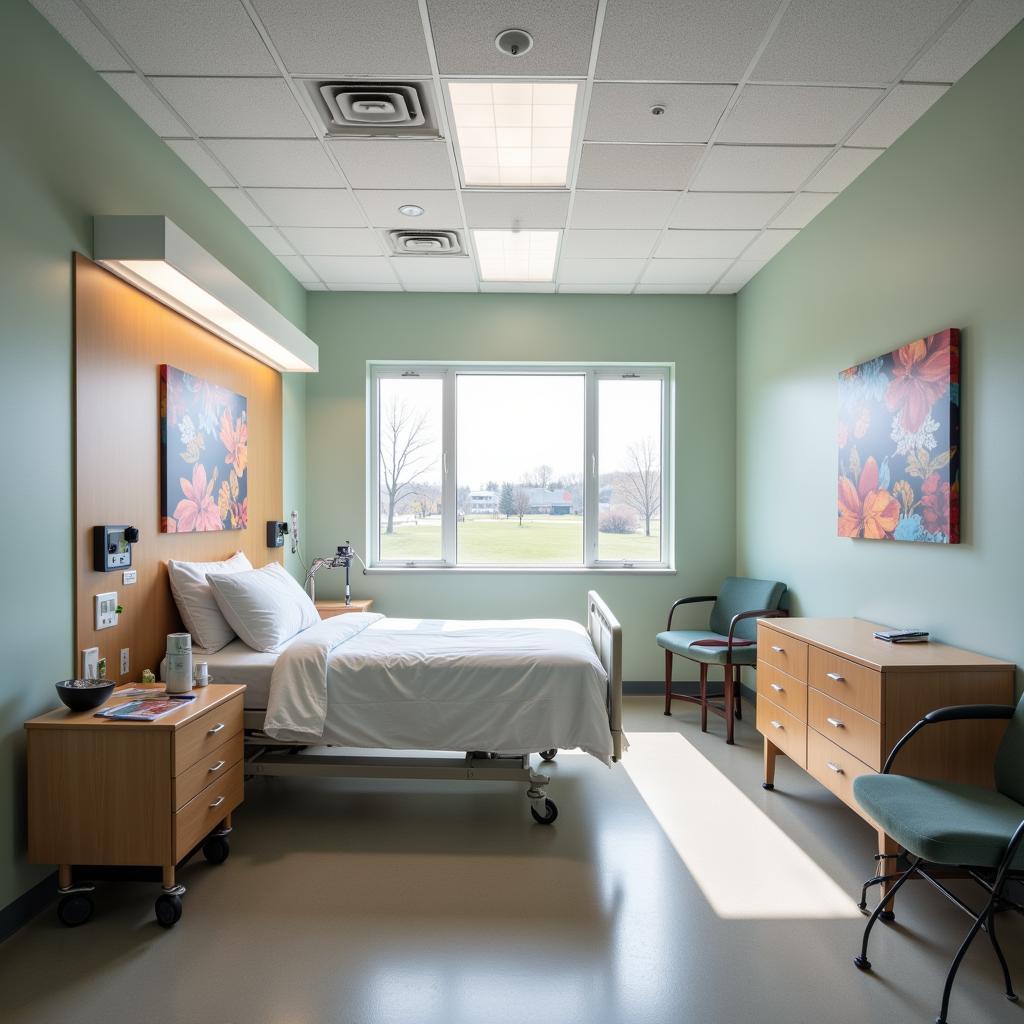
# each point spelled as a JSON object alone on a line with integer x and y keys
{"x": 593, "y": 373}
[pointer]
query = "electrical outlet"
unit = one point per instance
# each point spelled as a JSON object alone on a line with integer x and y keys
{"x": 106, "y": 610}
{"x": 124, "y": 661}
{"x": 90, "y": 663}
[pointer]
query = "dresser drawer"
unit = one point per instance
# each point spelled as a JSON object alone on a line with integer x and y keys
{"x": 786, "y": 731}
{"x": 205, "y": 734}
{"x": 846, "y": 681}
{"x": 782, "y": 690}
{"x": 206, "y": 770}
{"x": 834, "y": 767}
{"x": 849, "y": 729}
{"x": 202, "y": 813}
{"x": 781, "y": 651}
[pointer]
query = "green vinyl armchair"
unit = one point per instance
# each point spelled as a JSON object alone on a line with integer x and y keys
{"x": 730, "y": 641}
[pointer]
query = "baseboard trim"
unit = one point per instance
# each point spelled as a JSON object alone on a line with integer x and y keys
{"x": 27, "y": 906}
{"x": 691, "y": 687}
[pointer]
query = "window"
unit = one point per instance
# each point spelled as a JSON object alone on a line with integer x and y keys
{"x": 547, "y": 466}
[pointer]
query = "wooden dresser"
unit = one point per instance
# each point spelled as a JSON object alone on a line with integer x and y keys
{"x": 835, "y": 700}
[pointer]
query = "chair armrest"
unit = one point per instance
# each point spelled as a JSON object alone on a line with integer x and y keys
{"x": 687, "y": 600}
{"x": 956, "y": 713}
{"x": 761, "y": 613}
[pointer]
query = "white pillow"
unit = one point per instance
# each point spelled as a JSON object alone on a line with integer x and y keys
{"x": 265, "y": 607}
{"x": 195, "y": 601}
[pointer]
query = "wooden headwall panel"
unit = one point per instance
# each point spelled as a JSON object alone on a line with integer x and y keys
{"x": 121, "y": 338}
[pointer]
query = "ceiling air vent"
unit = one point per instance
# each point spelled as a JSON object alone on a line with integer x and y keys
{"x": 426, "y": 243}
{"x": 374, "y": 108}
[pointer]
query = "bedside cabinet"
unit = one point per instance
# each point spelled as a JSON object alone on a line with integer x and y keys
{"x": 328, "y": 609}
{"x": 107, "y": 794}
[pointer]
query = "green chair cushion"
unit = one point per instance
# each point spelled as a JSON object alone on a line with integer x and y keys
{"x": 943, "y": 822}
{"x": 740, "y": 594}
{"x": 680, "y": 641}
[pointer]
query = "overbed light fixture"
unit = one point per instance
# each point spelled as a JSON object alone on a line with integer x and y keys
{"x": 514, "y": 133}
{"x": 157, "y": 257}
{"x": 516, "y": 255}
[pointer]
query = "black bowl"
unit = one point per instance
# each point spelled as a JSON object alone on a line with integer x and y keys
{"x": 83, "y": 694}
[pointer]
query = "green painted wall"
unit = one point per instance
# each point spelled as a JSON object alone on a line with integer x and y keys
{"x": 928, "y": 237}
{"x": 697, "y": 333}
{"x": 69, "y": 148}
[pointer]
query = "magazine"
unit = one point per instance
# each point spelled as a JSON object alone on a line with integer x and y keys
{"x": 152, "y": 693}
{"x": 141, "y": 710}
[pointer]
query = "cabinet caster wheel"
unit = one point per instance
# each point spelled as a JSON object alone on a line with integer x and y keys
{"x": 768, "y": 785}
{"x": 216, "y": 849}
{"x": 549, "y": 815}
{"x": 862, "y": 963}
{"x": 74, "y": 910}
{"x": 549, "y": 755}
{"x": 168, "y": 910}
{"x": 887, "y": 916}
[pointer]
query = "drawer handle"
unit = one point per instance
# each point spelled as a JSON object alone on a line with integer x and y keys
{"x": 776, "y": 725}
{"x": 835, "y": 677}
{"x": 834, "y": 767}
{"x": 777, "y": 688}
{"x": 216, "y": 767}
{"x": 778, "y": 650}
{"x": 835, "y": 723}
{"x": 217, "y": 802}
{"x": 217, "y": 728}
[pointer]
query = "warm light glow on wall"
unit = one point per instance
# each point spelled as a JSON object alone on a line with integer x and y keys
{"x": 516, "y": 255}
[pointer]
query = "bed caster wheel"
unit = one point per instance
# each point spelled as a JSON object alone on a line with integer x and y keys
{"x": 549, "y": 755}
{"x": 862, "y": 963}
{"x": 216, "y": 849}
{"x": 549, "y": 814}
{"x": 74, "y": 910}
{"x": 168, "y": 910}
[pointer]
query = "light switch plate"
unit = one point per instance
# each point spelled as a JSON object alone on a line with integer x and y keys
{"x": 124, "y": 661}
{"x": 106, "y": 610}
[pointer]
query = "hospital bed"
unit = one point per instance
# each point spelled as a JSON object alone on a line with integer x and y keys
{"x": 372, "y": 740}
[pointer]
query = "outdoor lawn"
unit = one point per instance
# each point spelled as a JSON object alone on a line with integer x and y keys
{"x": 503, "y": 541}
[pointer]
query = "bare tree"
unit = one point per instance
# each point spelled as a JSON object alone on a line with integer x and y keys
{"x": 641, "y": 483}
{"x": 405, "y": 454}
{"x": 542, "y": 475}
{"x": 520, "y": 504}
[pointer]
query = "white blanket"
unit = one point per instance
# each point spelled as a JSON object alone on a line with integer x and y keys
{"x": 515, "y": 686}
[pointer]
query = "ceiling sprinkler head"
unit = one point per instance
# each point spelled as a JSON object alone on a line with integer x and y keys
{"x": 658, "y": 109}
{"x": 514, "y": 42}
{"x": 411, "y": 210}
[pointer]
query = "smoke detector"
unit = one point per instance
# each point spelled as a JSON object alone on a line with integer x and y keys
{"x": 514, "y": 42}
{"x": 373, "y": 108}
{"x": 426, "y": 243}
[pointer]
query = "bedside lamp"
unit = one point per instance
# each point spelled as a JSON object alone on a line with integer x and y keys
{"x": 341, "y": 560}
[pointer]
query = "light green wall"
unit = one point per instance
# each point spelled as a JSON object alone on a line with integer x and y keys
{"x": 694, "y": 332}
{"x": 69, "y": 148}
{"x": 928, "y": 237}
{"x": 293, "y": 422}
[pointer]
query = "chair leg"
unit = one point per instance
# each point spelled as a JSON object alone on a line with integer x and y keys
{"x": 862, "y": 961}
{"x": 738, "y": 693}
{"x": 668, "y": 682}
{"x": 960, "y": 954}
{"x": 703, "y": 697}
{"x": 990, "y": 926}
{"x": 730, "y": 702}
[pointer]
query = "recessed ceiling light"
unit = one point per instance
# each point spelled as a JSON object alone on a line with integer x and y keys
{"x": 514, "y": 133}
{"x": 411, "y": 210}
{"x": 516, "y": 255}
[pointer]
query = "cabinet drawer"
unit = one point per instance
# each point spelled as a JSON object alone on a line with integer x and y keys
{"x": 782, "y": 690}
{"x": 846, "y": 681}
{"x": 834, "y": 767}
{"x": 202, "y": 813}
{"x": 782, "y": 651}
{"x": 203, "y": 736}
{"x": 207, "y": 769}
{"x": 849, "y": 729}
{"x": 786, "y": 731}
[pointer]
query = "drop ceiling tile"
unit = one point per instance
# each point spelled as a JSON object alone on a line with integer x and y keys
{"x": 394, "y": 163}
{"x": 679, "y": 244}
{"x": 273, "y": 240}
{"x": 803, "y": 209}
{"x": 724, "y": 289}
{"x": 696, "y": 40}
{"x": 201, "y": 163}
{"x": 671, "y": 289}
{"x": 637, "y": 167}
{"x": 621, "y": 112}
{"x": 436, "y": 273}
{"x": 842, "y": 169}
{"x": 277, "y": 163}
{"x": 527, "y": 209}
{"x": 571, "y": 271}
{"x": 740, "y": 273}
{"x": 76, "y": 27}
{"x": 758, "y": 168}
{"x": 352, "y": 269}
{"x": 333, "y": 241}
{"x": 726, "y": 210}
{"x": 299, "y": 269}
{"x": 238, "y": 202}
{"x": 622, "y": 209}
{"x": 704, "y": 272}
{"x": 309, "y": 207}
{"x": 967, "y": 40}
{"x": 134, "y": 91}
{"x": 843, "y": 41}
{"x": 440, "y": 208}
{"x": 796, "y": 114}
{"x": 186, "y": 37}
{"x": 464, "y": 33}
{"x": 515, "y": 286}
{"x": 594, "y": 289}
{"x": 249, "y": 108}
{"x": 613, "y": 244}
{"x": 341, "y": 286}
{"x": 771, "y": 242}
{"x": 320, "y": 37}
{"x": 895, "y": 114}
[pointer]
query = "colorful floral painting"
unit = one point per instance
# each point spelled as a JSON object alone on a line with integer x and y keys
{"x": 899, "y": 444}
{"x": 204, "y": 455}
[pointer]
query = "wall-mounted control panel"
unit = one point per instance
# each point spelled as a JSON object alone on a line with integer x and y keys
{"x": 276, "y": 533}
{"x": 106, "y": 610}
{"x": 112, "y": 547}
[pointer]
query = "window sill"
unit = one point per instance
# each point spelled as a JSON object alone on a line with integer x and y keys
{"x": 523, "y": 570}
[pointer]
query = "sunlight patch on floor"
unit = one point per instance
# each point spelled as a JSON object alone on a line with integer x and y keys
{"x": 745, "y": 865}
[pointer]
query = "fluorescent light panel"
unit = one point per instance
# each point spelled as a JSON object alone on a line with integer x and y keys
{"x": 514, "y": 133}
{"x": 516, "y": 255}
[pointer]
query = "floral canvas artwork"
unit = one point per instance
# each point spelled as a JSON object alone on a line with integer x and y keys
{"x": 204, "y": 455}
{"x": 899, "y": 444}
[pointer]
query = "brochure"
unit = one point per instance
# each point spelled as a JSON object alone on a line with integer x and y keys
{"x": 141, "y": 710}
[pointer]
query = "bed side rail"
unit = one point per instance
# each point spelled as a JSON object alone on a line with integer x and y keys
{"x": 606, "y": 636}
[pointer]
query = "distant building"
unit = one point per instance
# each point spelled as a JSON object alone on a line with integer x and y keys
{"x": 545, "y": 502}
{"x": 482, "y": 502}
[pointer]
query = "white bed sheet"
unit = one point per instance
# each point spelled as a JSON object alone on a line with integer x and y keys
{"x": 239, "y": 663}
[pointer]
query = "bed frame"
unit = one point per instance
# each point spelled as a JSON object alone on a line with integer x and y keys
{"x": 266, "y": 756}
